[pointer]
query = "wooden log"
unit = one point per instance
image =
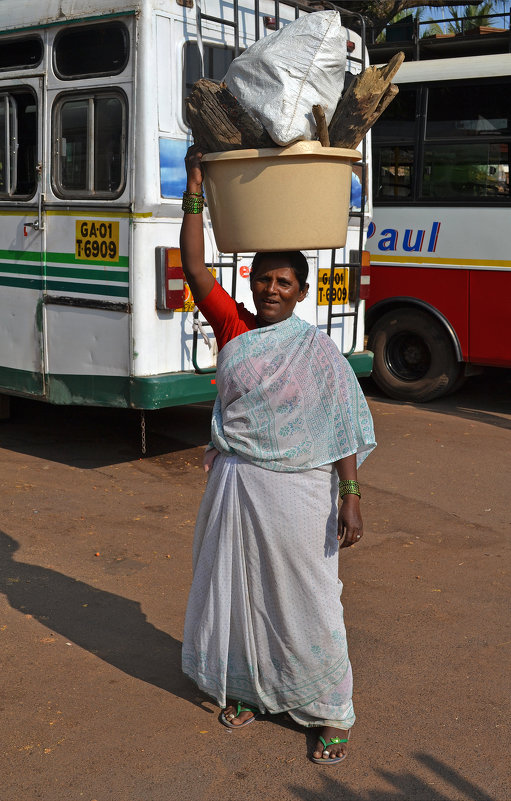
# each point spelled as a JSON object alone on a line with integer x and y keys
{"x": 352, "y": 135}
{"x": 219, "y": 122}
{"x": 363, "y": 102}
{"x": 321, "y": 125}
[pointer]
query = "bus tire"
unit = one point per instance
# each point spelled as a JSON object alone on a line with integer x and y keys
{"x": 414, "y": 358}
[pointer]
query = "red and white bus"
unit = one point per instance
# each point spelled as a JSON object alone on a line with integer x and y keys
{"x": 440, "y": 298}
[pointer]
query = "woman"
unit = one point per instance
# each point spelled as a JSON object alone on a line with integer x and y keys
{"x": 264, "y": 627}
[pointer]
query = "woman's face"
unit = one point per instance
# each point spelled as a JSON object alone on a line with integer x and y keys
{"x": 276, "y": 290}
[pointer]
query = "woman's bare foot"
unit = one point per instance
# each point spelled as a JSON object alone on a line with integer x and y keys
{"x": 231, "y": 716}
{"x": 334, "y": 750}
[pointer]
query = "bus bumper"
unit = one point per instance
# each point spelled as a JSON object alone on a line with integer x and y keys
{"x": 362, "y": 363}
{"x": 135, "y": 392}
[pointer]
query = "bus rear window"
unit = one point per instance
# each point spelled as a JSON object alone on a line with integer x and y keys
{"x": 90, "y": 145}
{"x": 101, "y": 49}
{"x": 21, "y": 53}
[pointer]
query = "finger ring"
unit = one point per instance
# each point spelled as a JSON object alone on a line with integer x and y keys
{"x": 358, "y": 536}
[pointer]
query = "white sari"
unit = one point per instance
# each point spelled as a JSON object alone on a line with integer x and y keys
{"x": 264, "y": 622}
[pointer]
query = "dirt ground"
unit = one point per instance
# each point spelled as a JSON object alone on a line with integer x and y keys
{"x": 95, "y": 568}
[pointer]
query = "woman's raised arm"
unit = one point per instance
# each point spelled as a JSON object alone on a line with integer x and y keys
{"x": 197, "y": 274}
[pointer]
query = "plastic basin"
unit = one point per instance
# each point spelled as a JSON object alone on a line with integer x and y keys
{"x": 285, "y": 198}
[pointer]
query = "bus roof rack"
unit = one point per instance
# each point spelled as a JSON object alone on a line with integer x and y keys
{"x": 411, "y": 36}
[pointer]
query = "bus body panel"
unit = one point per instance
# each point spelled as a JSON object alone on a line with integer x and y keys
{"x": 448, "y": 295}
{"x": 443, "y": 241}
{"x": 462, "y": 269}
{"x": 78, "y": 316}
{"x": 454, "y": 69}
{"x": 490, "y": 333}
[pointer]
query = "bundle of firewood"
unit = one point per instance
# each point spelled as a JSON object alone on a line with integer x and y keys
{"x": 219, "y": 122}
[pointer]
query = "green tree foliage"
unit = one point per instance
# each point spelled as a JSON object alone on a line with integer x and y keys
{"x": 473, "y": 16}
{"x": 380, "y": 12}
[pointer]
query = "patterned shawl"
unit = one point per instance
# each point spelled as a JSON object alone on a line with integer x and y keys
{"x": 288, "y": 400}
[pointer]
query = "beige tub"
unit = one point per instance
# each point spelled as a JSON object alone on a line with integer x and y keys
{"x": 285, "y": 198}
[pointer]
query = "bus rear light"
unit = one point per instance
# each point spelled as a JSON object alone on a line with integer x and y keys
{"x": 170, "y": 279}
{"x": 365, "y": 275}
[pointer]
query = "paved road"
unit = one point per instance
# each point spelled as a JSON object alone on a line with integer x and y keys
{"x": 94, "y": 573}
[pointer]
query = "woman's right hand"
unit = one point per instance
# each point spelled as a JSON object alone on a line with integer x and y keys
{"x": 194, "y": 170}
{"x": 209, "y": 458}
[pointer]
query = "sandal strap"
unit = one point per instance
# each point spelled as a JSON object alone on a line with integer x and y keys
{"x": 333, "y": 741}
{"x": 240, "y": 708}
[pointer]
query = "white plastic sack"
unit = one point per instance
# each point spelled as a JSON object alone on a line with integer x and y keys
{"x": 278, "y": 79}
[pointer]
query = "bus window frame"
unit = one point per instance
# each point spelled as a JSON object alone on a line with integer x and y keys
{"x": 56, "y": 127}
{"x": 9, "y": 94}
{"x": 84, "y": 27}
{"x": 18, "y": 40}
{"x": 419, "y": 143}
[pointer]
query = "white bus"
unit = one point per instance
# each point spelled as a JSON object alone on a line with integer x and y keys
{"x": 440, "y": 303}
{"x": 92, "y": 140}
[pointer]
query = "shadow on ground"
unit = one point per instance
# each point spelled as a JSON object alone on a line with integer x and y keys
{"x": 407, "y": 786}
{"x": 109, "y": 626}
{"x": 484, "y": 398}
{"x": 114, "y": 629}
{"x": 89, "y": 437}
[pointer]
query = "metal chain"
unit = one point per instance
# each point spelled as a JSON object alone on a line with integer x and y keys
{"x": 143, "y": 432}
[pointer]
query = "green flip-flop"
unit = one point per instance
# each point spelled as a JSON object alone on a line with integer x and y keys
{"x": 240, "y": 708}
{"x": 334, "y": 760}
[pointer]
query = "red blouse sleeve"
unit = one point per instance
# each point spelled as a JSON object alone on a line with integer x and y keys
{"x": 227, "y": 318}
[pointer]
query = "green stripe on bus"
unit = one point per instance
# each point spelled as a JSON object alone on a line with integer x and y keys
{"x": 69, "y": 258}
{"x": 65, "y": 258}
{"x": 152, "y": 392}
{"x": 89, "y": 289}
{"x": 63, "y": 272}
{"x": 23, "y": 382}
{"x": 66, "y": 286}
{"x": 362, "y": 363}
{"x": 26, "y": 283}
{"x": 139, "y": 392}
{"x": 171, "y": 389}
{"x": 98, "y": 275}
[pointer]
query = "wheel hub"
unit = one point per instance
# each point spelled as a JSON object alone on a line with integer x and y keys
{"x": 407, "y": 356}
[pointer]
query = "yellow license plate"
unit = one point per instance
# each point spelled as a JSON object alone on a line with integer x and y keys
{"x": 339, "y": 290}
{"x": 97, "y": 241}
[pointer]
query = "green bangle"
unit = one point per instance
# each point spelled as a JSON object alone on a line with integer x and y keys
{"x": 192, "y": 204}
{"x": 349, "y": 487}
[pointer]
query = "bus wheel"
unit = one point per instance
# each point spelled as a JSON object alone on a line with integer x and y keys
{"x": 414, "y": 358}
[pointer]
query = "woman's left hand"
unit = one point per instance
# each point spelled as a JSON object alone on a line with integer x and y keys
{"x": 349, "y": 526}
